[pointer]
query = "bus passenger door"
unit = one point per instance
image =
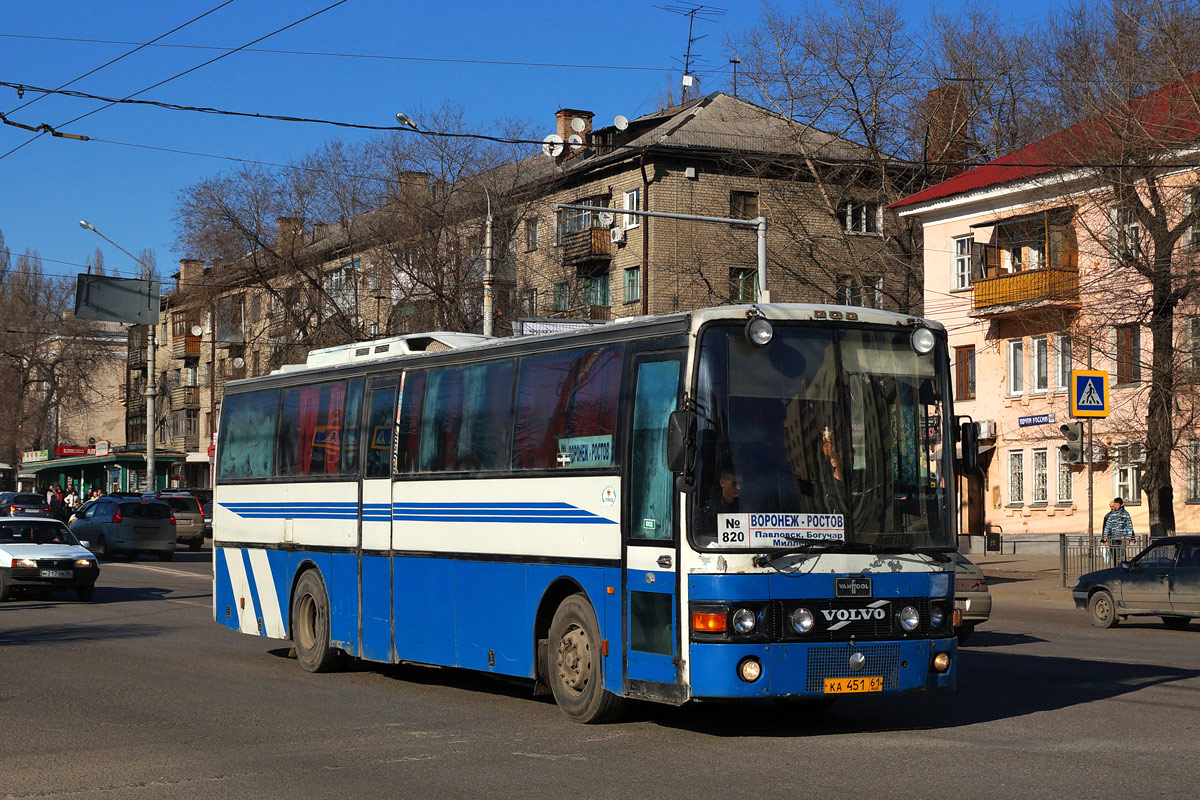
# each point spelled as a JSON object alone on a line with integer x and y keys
{"x": 375, "y": 522}
{"x": 651, "y": 557}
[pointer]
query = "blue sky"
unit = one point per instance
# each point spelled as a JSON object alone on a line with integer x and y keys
{"x": 129, "y": 192}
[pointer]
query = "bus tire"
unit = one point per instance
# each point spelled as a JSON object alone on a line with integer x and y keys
{"x": 575, "y": 667}
{"x": 310, "y": 625}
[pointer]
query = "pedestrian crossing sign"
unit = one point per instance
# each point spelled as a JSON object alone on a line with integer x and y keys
{"x": 1089, "y": 393}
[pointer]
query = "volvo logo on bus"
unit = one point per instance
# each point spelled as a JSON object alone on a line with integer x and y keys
{"x": 844, "y": 616}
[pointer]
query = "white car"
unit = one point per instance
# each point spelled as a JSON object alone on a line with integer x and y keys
{"x": 43, "y": 554}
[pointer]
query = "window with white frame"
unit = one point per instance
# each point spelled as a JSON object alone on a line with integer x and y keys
{"x": 1193, "y": 471}
{"x": 862, "y": 217}
{"x": 1066, "y": 483}
{"x": 1062, "y": 362}
{"x": 1041, "y": 475}
{"x": 1041, "y": 365}
{"x": 1016, "y": 367}
{"x": 633, "y": 202}
{"x": 1016, "y": 477}
{"x": 1126, "y": 243}
{"x": 1127, "y": 472}
{"x": 962, "y": 262}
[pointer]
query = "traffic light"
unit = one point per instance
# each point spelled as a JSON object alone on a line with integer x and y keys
{"x": 1072, "y": 451}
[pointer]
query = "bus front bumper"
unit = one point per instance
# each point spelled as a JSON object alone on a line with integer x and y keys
{"x": 795, "y": 669}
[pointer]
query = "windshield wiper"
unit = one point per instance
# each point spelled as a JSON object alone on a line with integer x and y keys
{"x": 769, "y": 559}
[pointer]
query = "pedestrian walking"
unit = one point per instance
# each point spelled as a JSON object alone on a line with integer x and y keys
{"x": 1117, "y": 530}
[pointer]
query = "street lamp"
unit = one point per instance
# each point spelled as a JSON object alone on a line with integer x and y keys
{"x": 150, "y": 387}
{"x": 488, "y": 294}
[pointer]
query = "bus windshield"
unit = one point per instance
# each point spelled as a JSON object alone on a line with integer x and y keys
{"x": 824, "y": 437}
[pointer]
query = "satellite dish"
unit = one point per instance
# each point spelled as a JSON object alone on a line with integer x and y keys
{"x": 576, "y": 141}
{"x": 577, "y": 124}
{"x": 239, "y": 362}
{"x": 606, "y": 218}
{"x": 620, "y": 122}
{"x": 552, "y": 145}
{"x": 197, "y": 330}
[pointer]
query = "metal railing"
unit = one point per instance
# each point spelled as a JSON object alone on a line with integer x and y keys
{"x": 1079, "y": 554}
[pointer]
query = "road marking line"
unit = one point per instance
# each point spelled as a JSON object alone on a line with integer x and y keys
{"x": 167, "y": 570}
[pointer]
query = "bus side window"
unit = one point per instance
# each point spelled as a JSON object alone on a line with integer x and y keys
{"x": 381, "y": 420}
{"x": 409, "y": 430}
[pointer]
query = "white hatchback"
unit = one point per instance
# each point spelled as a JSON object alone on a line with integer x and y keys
{"x": 43, "y": 554}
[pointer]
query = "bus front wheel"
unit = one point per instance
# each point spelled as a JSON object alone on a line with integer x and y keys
{"x": 575, "y": 665}
{"x": 310, "y": 625}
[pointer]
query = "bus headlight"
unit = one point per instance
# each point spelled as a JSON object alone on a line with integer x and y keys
{"x": 909, "y": 618}
{"x": 923, "y": 340}
{"x": 941, "y": 662}
{"x": 749, "y": 669}
{"x": 937, "y": 616}
{"x": 759, "y": 332}
{"x": 802, "y": 620}
{"x": 743, "y": 620}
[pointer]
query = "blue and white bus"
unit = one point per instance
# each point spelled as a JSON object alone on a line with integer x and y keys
{"x": 734, "y": 503}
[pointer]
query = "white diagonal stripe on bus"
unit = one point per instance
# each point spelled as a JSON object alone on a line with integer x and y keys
{"x": 268, "y": 596}
{"x": 237, "y": 580}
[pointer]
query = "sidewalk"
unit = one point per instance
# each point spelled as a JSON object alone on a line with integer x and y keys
{"x": 1023, "y": 576}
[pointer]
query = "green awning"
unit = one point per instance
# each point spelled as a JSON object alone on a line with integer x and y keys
{"x": 112, "y": 458}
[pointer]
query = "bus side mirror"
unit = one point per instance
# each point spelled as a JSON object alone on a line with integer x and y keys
{"x": 681, "y": 441}
{"x": 968, "y": 440}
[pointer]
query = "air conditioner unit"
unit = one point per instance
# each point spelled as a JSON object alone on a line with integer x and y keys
{"x": 616, "y": 235}
{"x": 987, "y": 428}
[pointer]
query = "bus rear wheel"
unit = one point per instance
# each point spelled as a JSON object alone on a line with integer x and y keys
{"x": 575, "y": 667}
{"x": 310, "y": 625}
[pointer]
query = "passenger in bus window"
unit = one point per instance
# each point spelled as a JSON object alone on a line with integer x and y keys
{"x": 724, "y": 500}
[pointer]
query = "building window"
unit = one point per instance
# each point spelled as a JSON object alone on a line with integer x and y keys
{"x": 862, "y": 217}
{"x": 1193, "y": 471}
{"x": 743, "y": 285}
{"x": 1194, "y": 343}
{"x": 531, "y": 302}
{"x": 633, "y": 202}
{"x": 1127, "y": 235}
{"x": 178, "y": 325}
{"x": 1016, "y": 367}
{"x": 868, "y": 294}
{"x": 574, "y": 220}
{"x": 562, "y": 296}
{"x": 1041, "y": 476}
{"x": 1128, "y": 353}
{"x": 964, "y": 373}
{"x": 595, "y": 290}
{"x": 1016, "y": 477}
{"x": 1062, "y": 362}
{"x": 531, "y": 235}
{"x": 743, "y": 205}
{"x": 1065, "y": 481}
{"x": 962, "y": 262}
{"x": 1127, "y": 472}
{"x": 633, "y": 284}
{"x": 339, "y": 287}
{"x": 1041, "y": 364}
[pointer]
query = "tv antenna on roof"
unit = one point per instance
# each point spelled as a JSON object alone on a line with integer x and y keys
{"x": 692, "y": 12}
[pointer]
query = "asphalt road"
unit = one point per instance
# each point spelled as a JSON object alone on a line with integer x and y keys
{"x": 141, "y": 695}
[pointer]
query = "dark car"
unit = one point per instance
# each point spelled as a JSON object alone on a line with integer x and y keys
{"x": 189, "y": 515}
{"x": 971, "y": 596}
{"x": 26, "y": 504}
{"x": 43, "y": 554}
{"x": 1163, "y": 581}
{"x": 128, "y": 525}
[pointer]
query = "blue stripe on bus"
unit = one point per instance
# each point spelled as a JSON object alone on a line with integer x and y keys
{"x": 509, "y": 512}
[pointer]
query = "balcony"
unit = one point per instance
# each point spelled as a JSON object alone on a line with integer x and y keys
{"x": 586, "y": 247}
{"x": 1015, "y": 293}
{"x": 185, "y": 347}
{"x": 185, "y": 397}
{"x": 137, "y": 354}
